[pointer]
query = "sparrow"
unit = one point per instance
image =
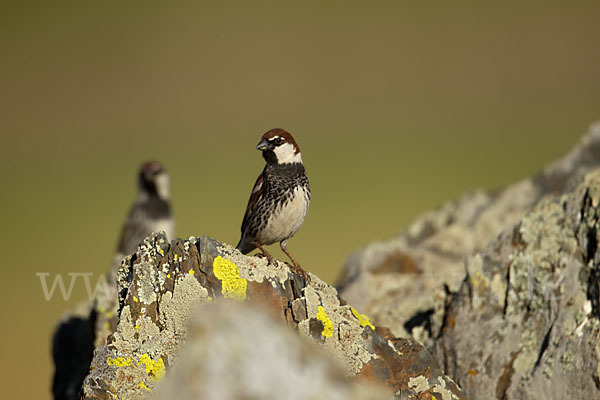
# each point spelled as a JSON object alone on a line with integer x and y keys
{"x": 151, "y": 210}
{"x": 279, "y": 200}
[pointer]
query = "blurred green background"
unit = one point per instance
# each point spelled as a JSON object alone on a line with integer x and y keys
{"x": 397, "y": 106}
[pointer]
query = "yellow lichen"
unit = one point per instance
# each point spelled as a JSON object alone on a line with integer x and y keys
{"x": 327, "y": 324}
{"x": 136, "y": 299}
{"x": 119, "y": 361}
{"x": 433, "y": 397}
{"x": 175, "y": 257}
{"x": 161, "y": 252}
{"x": 478, "y": 279}
{"x": 143, "y": 386}
{"x": 168, "y": 275}
{"x": 156, "y": 369}
{"x": 362, "y": 319}
{"x": 232, "y": 285}
{"x": 191, "y": 271}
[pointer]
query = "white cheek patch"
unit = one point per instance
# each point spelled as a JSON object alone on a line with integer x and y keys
{"x": 162, "y": 186}
{"x": 286, "y": 153}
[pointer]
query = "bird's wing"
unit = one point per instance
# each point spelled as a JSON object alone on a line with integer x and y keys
{"x": 255, "y": 197}
{"x": 133, "y": 232}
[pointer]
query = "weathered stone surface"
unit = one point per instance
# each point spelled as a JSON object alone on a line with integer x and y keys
{"x": 400, "y": 282}
{"x": 525, "y": 323}
{"x": 235, "y": 351}
{"x": 161, "y": 286}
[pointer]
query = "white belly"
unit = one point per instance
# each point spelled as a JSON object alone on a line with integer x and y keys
{"x": 165, "y": 225}
{"x": 286, "y": 220}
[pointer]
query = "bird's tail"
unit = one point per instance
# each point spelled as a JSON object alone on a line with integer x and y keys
{"x": 244, "y": 246}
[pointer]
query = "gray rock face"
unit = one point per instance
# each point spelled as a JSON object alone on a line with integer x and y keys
{"x": 504, "y": 288}
{"x": 525, "y": 322}
{"x": 400, "y": 282}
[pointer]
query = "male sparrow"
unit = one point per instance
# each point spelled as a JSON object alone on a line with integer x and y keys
{"x": 151, "y": 211}
{"x": 280, "y": 197}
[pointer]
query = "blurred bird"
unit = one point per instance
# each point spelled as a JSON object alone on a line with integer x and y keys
{"x": 151, "y": 211}
{"x": 279, "y": 200}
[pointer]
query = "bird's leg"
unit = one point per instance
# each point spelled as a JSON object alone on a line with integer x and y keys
{"x": 297, "y": 268}
{"x": 264, "y": 252}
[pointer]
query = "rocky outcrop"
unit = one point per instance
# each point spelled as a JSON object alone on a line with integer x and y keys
{"x": 502, "y": 288}
{"x": 227, "y": 340}
{"x": 525, "y": 323}
{"x": 79, "y": 332}
{"x": 402, "y": 282}
{"x": 72, "y": 351}
{"x": 162, "y": 286}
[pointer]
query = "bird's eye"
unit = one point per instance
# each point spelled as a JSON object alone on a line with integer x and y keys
{"x": 278, "y": 141}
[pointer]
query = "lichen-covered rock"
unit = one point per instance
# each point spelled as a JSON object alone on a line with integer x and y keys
{"x": 162, "y": 285}
{"x": 235, "y": 351}
{"x": 525, "y": 323}
{"x": 402, "y": 282}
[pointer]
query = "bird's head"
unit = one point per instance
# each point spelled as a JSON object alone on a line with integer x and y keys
{"x": 279, "y": 147}
{"x": 154, "y": 180}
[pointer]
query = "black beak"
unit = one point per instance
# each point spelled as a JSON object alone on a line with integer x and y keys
{"x": 263, "y": 145}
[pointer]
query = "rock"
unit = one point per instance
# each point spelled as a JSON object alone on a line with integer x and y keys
{"x": 402, "y": 282}
{"x": 77, "y": 335}
{"x": 520, "y": 320}
{"x": 162, "y": 285}
{"x": 525, "y": 322}
{"x": 235, "y": 351}
{"x": 72, "y": 351}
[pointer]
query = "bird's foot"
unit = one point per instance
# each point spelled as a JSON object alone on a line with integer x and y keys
{"x": 299, "y": 271}
{"x": 265, "y": 253}
{"x": 296, "y": 267}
